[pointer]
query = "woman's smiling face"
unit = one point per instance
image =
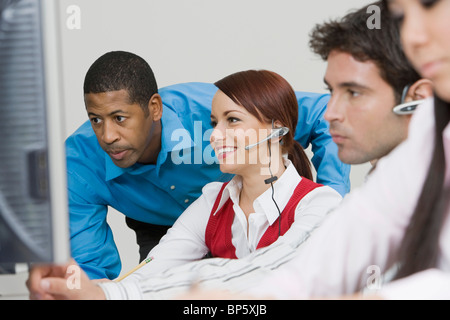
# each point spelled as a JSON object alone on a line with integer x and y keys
{"x": 234, "y": 129}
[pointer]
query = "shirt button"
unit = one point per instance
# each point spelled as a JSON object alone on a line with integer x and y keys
{"x": 186, "y": 201}
{"x": 172, "y": 187}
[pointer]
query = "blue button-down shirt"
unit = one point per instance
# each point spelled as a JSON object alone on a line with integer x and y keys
{"x": 159, "y": 193}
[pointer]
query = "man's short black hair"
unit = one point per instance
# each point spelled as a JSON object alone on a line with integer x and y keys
{"x": 119, "y": 70}
{"x": 352, "y": 35}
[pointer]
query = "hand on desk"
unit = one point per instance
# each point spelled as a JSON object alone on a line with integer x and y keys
{"x": 62, "y": 282}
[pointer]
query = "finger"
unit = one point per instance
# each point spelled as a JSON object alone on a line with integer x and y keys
{"x": 44, "y": 296}
{"x": 55, "y": 288}
{"x": 34, "y": 279}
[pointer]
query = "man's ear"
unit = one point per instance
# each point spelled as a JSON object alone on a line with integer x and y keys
{"x": 421, "y": 89}
{"x": 155, "y": 107}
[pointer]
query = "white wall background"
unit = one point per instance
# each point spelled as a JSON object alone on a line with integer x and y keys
{"x": 195, "y": 40}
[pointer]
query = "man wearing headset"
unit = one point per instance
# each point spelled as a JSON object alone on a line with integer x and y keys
{"x": 374, "y": 89}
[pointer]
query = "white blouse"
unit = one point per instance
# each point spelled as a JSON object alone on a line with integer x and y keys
{"x": 185, "y": 241}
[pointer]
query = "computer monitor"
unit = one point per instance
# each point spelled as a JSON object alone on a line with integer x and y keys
{"x": 33, "y": 192}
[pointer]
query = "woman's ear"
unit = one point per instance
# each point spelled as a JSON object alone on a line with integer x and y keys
{"x": 277, "y": 124}
{"x": 155, "y": 107}
{"x": 421, "y": 89}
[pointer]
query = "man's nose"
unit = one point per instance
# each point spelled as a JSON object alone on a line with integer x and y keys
{"x": 110, "y": 133}
{"x": 333, "y": 111}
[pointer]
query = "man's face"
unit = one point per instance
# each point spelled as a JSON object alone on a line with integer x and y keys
{"x": 123, "y": 130}
{"x": 362, "y": 122}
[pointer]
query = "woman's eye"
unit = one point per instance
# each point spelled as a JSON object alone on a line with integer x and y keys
{"x": 397, "y": 14}
{"x": 397, "y": 18}
{"x": 428, "y": 3}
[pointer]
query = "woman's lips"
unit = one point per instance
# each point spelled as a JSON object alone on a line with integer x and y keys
{"x": 430, "y": 69}
{"x": 224, "y": 152}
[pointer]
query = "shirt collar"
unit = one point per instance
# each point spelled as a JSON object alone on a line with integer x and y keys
{"x": 174, "y": 137}
{"x": 284, "y": 187}
{"x": 113, "y": 171}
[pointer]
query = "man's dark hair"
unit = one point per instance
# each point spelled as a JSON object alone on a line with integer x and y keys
{"x": 119, "y": 70}
{"x": 352, "y": 35}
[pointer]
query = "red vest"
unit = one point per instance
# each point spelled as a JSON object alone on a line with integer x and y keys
{"x": 218, "y": 231}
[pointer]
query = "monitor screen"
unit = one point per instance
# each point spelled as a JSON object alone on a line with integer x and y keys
{"x": 33, "y": 193}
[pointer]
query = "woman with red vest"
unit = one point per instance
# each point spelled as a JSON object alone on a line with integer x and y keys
{"x": 272, "y": 193}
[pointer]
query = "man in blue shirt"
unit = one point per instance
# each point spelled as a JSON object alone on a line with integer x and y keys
{"x": 146, "y": 153}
